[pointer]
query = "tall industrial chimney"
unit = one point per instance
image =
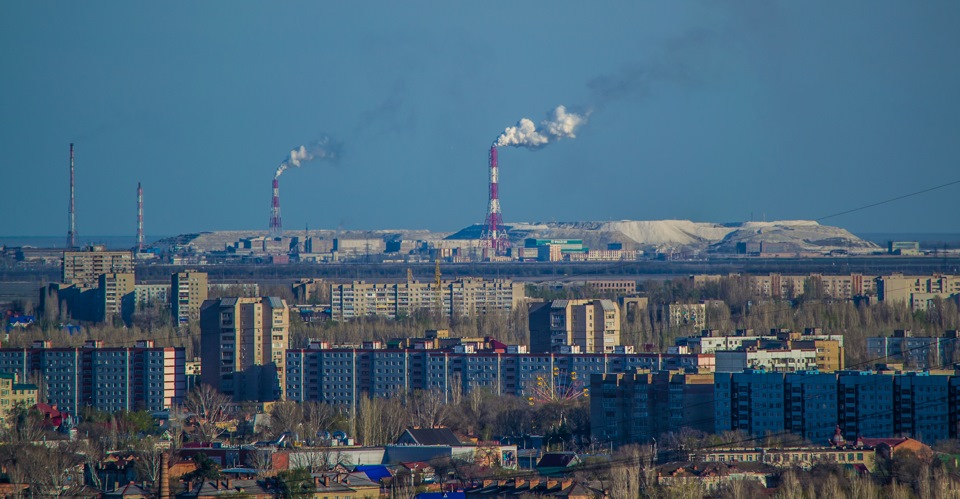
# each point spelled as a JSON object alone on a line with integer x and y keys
{"x": 139, "y": 218}
{"x": 494, "y": 235}
{"x": 276, "y": 226}
{"x": 72, "y": 210}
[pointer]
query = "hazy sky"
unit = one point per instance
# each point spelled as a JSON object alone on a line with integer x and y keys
{"x": 707, "y": 111}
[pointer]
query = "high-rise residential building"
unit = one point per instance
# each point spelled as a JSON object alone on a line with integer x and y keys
{"x": 84, "y": 268}
{"x": 114, "y": 293}
{"x": 110, "y": 379}
{"x": 591, "y": 325}
{"x": 865, "y": 401}
{"x": 188, "y": 291}
{"x": 917, "y": 292}
{"x": 919, "y": 352}
{"x": 243, "y": 344}
{"x": 341, "y": 375}
{"x": 457, "y": 297}
{"x": 641, "y": 406}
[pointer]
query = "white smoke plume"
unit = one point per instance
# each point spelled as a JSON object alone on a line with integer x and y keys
{"x": 323, "y": 149}
{"x": 559, "y": 124}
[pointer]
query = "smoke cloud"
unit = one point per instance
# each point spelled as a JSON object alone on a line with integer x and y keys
{"x": 323, "y": 149}
{"x": 559, "y": 124}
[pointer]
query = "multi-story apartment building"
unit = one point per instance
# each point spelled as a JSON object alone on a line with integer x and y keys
{"x": 591, "y": 325}
{"x": 107, "y": 378}
{"x": 810, "y": 405}
{"x": 777, "y": 360}
{"x": 459, "y": 297}
{"x": 83, "y": 268}
{"x": 919, "y": 352}
{"x": 865, "y": 403}
{"x": 838, "y": 287}
{"x": 640, "y": 406}
{"x": 917, "y": 292}
{"x": 785, "y": 351}
{"x": 243, "y": 343}
{"x": 711, "y": 340}
{"x": 612, "y": 286}
{"x": 683, "y": 316}
{"x": 114, "y": 297}
{"x": 14, "y": 394}
{"x": 921, "y": 406}
{"x": 149, "y": 294}
{"x": 188, "y": 291}
{"x": 751, "y": 401}
{"x": 861, "y": 403}
{"x": 341, "y": 375}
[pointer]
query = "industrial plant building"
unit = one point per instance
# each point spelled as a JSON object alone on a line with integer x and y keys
{"x": 463, "y": 297}
{"x": 243, "y": 343}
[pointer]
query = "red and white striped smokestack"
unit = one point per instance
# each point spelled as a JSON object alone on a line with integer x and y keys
{"x": 276, "y": 226}
{"x": 494, "y": 236}
{"x": 139, "y": 218}
{"x": 72, "y": 210}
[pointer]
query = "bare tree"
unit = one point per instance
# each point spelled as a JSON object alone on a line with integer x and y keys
{"x": 209, "y": 406}
{"x": 317, "y": 417}
{"x": 285, "y": 416}
{"x": 380, "y": 421}
{"x": 427, "y": 408}
{"x": 260, "y": 460}
{"x": 50, "y": 472}
{"x": 149, "y": 456}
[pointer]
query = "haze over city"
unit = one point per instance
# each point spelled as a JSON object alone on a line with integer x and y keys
{"x": 703, "y": 111}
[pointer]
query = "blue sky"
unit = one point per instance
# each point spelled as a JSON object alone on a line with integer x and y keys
{"x": 707, "y": 111}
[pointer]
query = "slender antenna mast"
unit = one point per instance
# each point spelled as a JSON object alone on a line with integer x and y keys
{"x": 72, "y": 210}
{"x": 139, "y": 218}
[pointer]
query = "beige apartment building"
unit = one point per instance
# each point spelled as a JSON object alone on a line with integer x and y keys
{"x": 593, "y": 326}
{"x": 112, "y": 290}
{"x": 243, "y": 344}
{"x": 84, "y": 268}
{"x": 188, "y": 291}
{"x": 917, "y": 292}
{"x": 459, "y": 297}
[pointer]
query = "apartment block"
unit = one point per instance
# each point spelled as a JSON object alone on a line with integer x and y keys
{"x": 613, "y": 286}
{"x": 918, "y": 352}
{"x": 340, "y": 375}
{"x": 243, "y": 343}
{"x": 14, "y": 394}
{"x": 917, "y": 292}
{"x": 148, "y": 294}
{"x": 107, "y": 378}
{"x": 591, "y": 325}
{"x": 84, "y": 268}
{"x": 839, "y": 287}
{"x": 865, "y": 403}
{"x": 711, "y": 340}
{"x": 641, "y": 406}
{"x": 188, "y": 291}
{"x": 459, "y": 297}
{"x": 114, "y": 296}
